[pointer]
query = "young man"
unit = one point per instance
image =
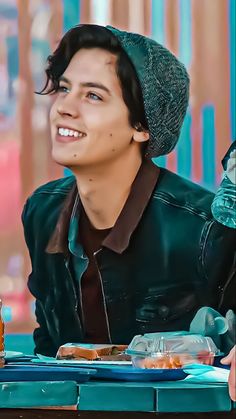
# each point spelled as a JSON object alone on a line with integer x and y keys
{"x": 122, "y": 247}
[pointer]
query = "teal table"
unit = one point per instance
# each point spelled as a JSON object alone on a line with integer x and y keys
{"x": 110, "y": 400}
{"x": 118, "y": 400}
{"x": 63, "y": 414}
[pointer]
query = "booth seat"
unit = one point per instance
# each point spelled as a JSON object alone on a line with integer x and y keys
{"x": 19, "y": 343}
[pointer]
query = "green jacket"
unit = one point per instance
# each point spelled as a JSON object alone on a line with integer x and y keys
{"x": 178, "y": 260}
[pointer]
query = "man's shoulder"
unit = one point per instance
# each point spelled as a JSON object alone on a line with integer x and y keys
{"x": 182, "y": 192}
{"x": 60, "y": 186}
{"x": 47, "y": 200}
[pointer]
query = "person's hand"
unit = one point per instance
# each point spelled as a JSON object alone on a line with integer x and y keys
{"x": 230, "y": 359}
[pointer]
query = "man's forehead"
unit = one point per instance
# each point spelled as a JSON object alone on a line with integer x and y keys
{"x": 102, "y": 56}
{"x": 92, "y": 60}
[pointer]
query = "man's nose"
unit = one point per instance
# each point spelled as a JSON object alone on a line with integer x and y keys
{"x": 69, "y": 106}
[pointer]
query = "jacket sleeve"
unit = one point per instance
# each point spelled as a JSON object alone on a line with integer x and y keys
{"x": 43, "y": 342}
{"x": 42, "y": 339}
{"x": 218, "y": 264}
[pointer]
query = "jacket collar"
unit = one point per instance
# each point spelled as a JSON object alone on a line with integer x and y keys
{"x": 119, "y": 237}
{"x": 58, "y": 242}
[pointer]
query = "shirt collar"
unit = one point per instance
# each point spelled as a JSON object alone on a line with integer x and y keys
{"x": 119, "y": 237}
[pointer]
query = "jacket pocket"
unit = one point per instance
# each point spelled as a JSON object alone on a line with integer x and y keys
{"x": 167, "y": 309}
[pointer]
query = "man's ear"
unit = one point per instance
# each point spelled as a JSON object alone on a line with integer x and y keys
{"x": 141, "y": 137}
{"x": 140, "y": 134}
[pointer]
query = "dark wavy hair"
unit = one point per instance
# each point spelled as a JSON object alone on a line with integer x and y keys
{"x": 95, "y": 36}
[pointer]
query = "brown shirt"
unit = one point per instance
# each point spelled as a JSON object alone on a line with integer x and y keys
{"x": 92, "y": 300}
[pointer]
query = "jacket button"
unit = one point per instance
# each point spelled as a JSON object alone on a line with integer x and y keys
{"x": 163, "y": 311}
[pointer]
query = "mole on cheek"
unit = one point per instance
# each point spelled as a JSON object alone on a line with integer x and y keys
{"x": 90, "y": 180}
{"x": 75, "y": 155}
{"x": 110, "y": 134}
{"x": 113, "y": 149}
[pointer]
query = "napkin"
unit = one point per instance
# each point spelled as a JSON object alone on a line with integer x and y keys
{"x": 204, "y": 374}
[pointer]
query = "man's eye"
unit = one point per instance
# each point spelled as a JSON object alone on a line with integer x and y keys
{"x": 63, "y": 89}
{"x": 93, "y": 96}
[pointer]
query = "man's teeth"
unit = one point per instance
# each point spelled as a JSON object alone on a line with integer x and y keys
{"x": 65, "y": 132}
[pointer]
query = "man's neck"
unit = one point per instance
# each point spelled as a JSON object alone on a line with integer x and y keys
{"x": 104, "y": 191}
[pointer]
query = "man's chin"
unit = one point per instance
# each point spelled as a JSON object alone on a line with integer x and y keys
{"x": 62, "y": 161}
{"x": 67, "y": 165}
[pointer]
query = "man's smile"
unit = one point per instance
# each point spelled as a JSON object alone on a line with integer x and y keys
{"x": 65, "y": 134}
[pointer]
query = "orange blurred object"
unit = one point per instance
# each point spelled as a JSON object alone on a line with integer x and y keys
{"x": 177, "y": 361}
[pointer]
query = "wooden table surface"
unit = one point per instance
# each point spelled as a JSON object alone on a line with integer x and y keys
{"x": 72, "y": 414}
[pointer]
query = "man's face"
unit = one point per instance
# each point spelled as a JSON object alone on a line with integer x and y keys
{"x": 89, "y": 119}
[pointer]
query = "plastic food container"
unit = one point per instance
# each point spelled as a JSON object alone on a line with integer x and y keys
{"x": 166, "y": 350}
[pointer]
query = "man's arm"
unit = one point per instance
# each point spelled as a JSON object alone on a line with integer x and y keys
{"x": 218, "y": 265}
{"x": 43, "y": 342}
{"x": 36, "y": 283}
{"x": 228, "y": 289}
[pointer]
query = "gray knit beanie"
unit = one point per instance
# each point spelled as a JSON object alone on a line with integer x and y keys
{"x": 165, "y": 88}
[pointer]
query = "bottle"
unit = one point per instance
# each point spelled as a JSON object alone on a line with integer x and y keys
{"x": 224, "y": 204}
{"x": 2, "y": 353}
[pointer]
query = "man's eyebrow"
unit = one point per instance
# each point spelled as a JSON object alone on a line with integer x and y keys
{"x": 96, "y": 85}
{"x": 63, "y": 78}
{"x": 88, "y": 84}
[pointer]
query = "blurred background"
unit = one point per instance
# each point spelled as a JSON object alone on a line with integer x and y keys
{"x": 200, "y": 32}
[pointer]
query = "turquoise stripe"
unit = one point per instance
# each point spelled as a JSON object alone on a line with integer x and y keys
{"x": 185, "y": 34}
{"x": 184, "y": 149}
{"x": 208, "y": 141}
{"x": 232, "y": 48}
{"x": 71, "y": 16}
{"x": 157, "y": 21}
{"x": 160, "y": 161}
